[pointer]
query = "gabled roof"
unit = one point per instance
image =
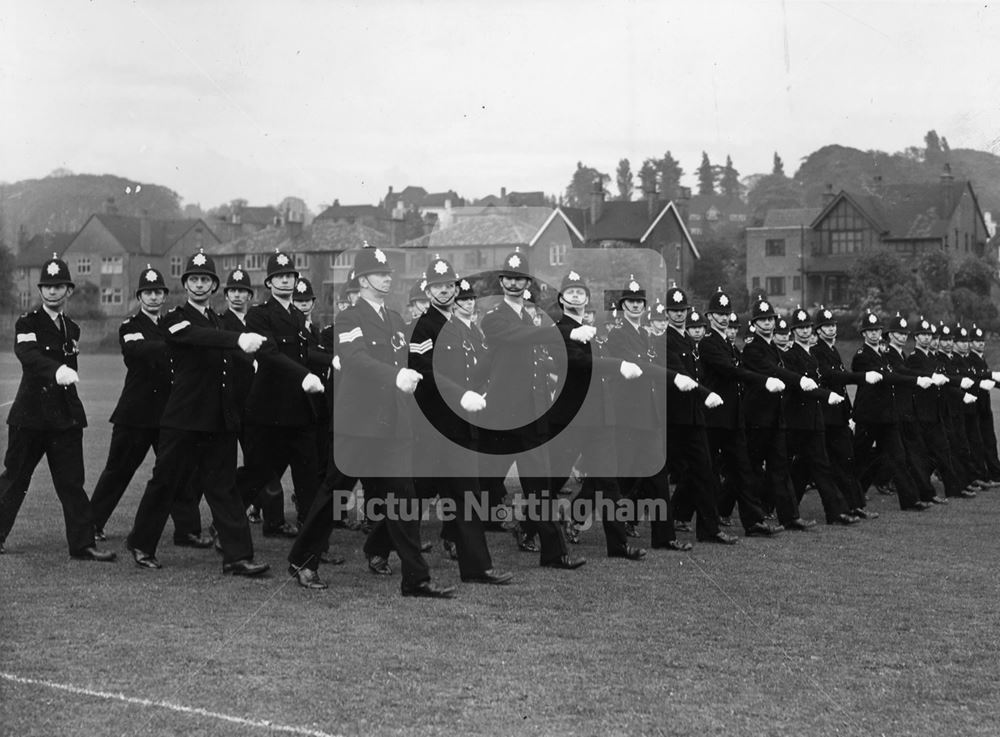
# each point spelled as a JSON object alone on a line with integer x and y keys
{"x": 258, "y": 215}
{"x": 488, "y": 230}
{"x": 791, "y": 218}
{"x": 163, "y": 234}
{"x": 535, "y": 216}
{"x": 576, "y": 237}
{"x": 320, "y": 237}
{"x": 40, "y": 248}
{"x": 623, "y": 221}
{"x": 337, "y": 211}
{"x": 438, "y": 199}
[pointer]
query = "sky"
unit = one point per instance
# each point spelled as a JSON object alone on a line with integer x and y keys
{"x": 329, "y": 100}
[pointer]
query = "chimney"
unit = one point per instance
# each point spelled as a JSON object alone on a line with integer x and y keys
{"x": 596, "y": 200}
{"x": 649, "y": 194}
{"x": 683, "y": 203}
{"x": 503, "y": 195}
{"x": 145, "y": 232}
{"x": 947, "y": 180}
{"x": 110, "y": 208}
{"x": 828, "y": 195}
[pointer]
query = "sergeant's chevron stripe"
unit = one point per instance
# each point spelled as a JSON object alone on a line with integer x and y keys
{"x": 129, "y": 337}
{"x": 421, "y": 348}
{"x": 27, "y": 338}
{"x": 179, "y": 326}
{"x": 350, "y": 336}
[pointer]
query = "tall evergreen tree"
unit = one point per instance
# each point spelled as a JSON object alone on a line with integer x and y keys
{"x": 730, "y": 181}
{"x": 581, "y": 185}
{"x": 779, "y": 166}
{"x": 706, "y": 176}
{"x": 623, "y": 178}
{"x": 668, "y": 175}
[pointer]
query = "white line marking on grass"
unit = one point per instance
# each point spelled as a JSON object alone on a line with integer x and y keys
{"x": 189, "y": 710}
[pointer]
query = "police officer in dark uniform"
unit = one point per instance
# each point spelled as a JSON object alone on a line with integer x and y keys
{"x": 136, "y": 417}
{"x": 47, "y": 417}
{"x": 987, "y": 381}
{"x": 199, "y": 427}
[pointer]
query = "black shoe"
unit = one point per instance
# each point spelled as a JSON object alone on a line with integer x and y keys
{"x": 492, "y": 576}
{"x": 681, "y": 526}
{"x": 725, "y": 521}
{"x": 524, "y": 543}
{"x": 379, "y": 565}
{"x": 427, "y": 590}
{"x": 938, "y": 500}
{"x": 861, "y": 513}
{"x": 99, "y": 536}
{"x": 307, "y": 578}
{"x": 844, "y": 519}
{"x": 763, "y": 530}
{"x": 330, "y": 559}
{"x": 571, "y": 532}
{"x": 426, "y": 547}
{"x": 631, "y": 529}
{"x": 923, "y": 505}
{"x": 720, "y": 537}
{"x": 192, "y": 540}
{"x": 884, "y": 489}
{"x": 92, "y": 553}
{"x": 284, "y": 530}
{"x": 800, "y": 524}
{"x": 245, "y": 568}
{"x": 565, "y": 562}
{"x": 450, "y": 548}
{"x": 629, "y": 552}
{"x": 143, "y": 559}
{"x": 674, "y": 545}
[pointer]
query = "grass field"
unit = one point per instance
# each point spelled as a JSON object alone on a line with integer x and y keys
{"x": 887, "y": 628}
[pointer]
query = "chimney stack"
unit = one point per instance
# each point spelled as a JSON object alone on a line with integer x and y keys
{"x": 145, "y": 232}
{"x": 596, "y": 200}
{"x": 649, "y": 194}
{"x": 947, "y": 180}
{"x": 828, "y": 195}
{"x": 503, "y": 195}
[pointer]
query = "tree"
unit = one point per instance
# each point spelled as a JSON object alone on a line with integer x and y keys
{"x": 933, "y": 153}
{"x": 708, "y": 272}
{"x": 582, "y": 184}
{"x": 976, "y": 275}
{"x": 623, "y": 178}
{"x": 773, "y": 191}
{"x": 730, "y": 181}
{"x": 668, "y": 175}
{"x": 881, "y": 281}
{"x": 706, "y": 176}
{"x": 778, "y": 169}
{"x": 972, "y": 307}
{"x": 648, "y": 175}
{"x": 934, "y": 269}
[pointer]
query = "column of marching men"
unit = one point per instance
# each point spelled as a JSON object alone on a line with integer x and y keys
{"x": 443, "y": 407}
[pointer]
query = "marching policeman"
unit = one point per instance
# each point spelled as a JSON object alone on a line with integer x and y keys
{"x": 983, "y": 406}
{"x": 198, "y": 430}
{"x": 47, "y": 417}
{"x": 136, "y": 417}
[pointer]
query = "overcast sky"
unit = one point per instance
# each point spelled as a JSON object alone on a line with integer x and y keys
{"x": 325, "y": 100}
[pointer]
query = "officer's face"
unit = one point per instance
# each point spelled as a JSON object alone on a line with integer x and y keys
{"x": 979, "y": 346}
{"x": 152, "y": 299}
{"x": 719, "y": 320}
{"x": 588, "y": 319}
{"x": 658, "y": 325}
{"x": 465, "y": 307}
{"x": 634, "y": 306}
{"x": 341, "y": 305}
{"x": 677, "y": 318}
{"x": 804, "y": 333}
{"x": 305, "y": 306}
{"x": 872, "y": 337}
{"x": 732, "y": 332}
{"x": 696, "y": 333}
{"x": 418, "y": 307}
{"x": 199, "y": 287}
{"x": 281, "y": 285}
{"x": 238, "y": 299}
{"x": 947, "y": 345}
{"x": 923, "y": 340}
{"x": 514, "y": 285}
{"x": 828, "y": 332}
{"x": 781, "y": 339}
{"x": 765, "y": 326}
{"x": 353, "y": 297}
{"x": 380, "y": 282}
{"x": 55, "y": 296}
{"x": 575, "y": 296}
{"x": 442, "y": 294}
{"x": 962, "y": 346}
{"x": 898, "y": 339}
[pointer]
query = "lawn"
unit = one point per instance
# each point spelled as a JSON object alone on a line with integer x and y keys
{"x": 889, "y": 627}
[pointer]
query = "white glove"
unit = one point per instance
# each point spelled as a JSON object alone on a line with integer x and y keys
{"x": 807, "y": 384}
{"x": 872, "y": 377}
{"x": 924, "y": 382}
{"x": 630, "y": 370}
{"x": 939, "y": 379}
{"x": 685, "y": 383}
{"x": 250, "y": 342}
{"x": 967, "y": 382}
{"x": 312, "y": 384}
{"x": 713, "y": 400}
{"x": 336, "y": 363}
{"x": 583, "y": 334}
{"x": 66, "y": 376}
{"x": 987, "y": 384}
{"x": 996, "y": 376}
{"x": 968, "y": 399}
{"x": 774, "y": 385}
{"x": 834, "y": 399}
{"x": 472, "y": 402}
{"x": 850, "y": 424}
{"x": 406, "y": 380}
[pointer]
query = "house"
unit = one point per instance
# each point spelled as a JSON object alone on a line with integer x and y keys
{"x": 717, "y": 217}
{"x": 512, "y": 199}
{"x": 245, "y": 219}
{"x": 31, "y": 255}
{"x": 910, "y": 219}
{"x": 112, "y": 250}
{"x": 370, "y": 216}
{"x": 776, "y": 254}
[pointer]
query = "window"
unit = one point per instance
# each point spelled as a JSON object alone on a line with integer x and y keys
{"x": 111, "y": 296}
{"x": 695, "y": 231}
{"x": 847, "y": 241}
{"x": 176, "y": 266}
{"x": 254, "y": 262}
{"x": 694, "y": 216}
{"x": 229, "y": 263}
{"x": 557, "y": 255}
{"x": 24, "y": 298}
{"x": 111, "y": 264}
{"x": 774, "y": 247}
{"x": 775, "y": 286}
{"x": 83, "y": 265}
{"x": 796, "y": 283}
{"x": 342, "y": 260}
{"x": 301, "y": 261}
{"x": 712, "y": 215}
{"x": 755, "y": 284}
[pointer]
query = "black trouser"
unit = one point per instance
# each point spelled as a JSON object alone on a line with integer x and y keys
{"x": 691, "y": 464}
{"x": 181, "y": 454}
{"x": 987, "y": 432}
{"x": 807, "y": 450}
{"x": 939, "y": 452}
{"x": 314, "y": 532}
{"x": 63, "y": 449}
{"x": 499, "y": 451}
{"x": 596, "y": 449}
{"x": 731, "y": 460}
{"x": 768, "y": 451}
{"x": 127, "y": 451}
{"x": 919, "y": 462}
{"x": 976, "y": 451}
{"x": 272, "y": 449}
{"x": 840, "y": 451}
{"x": 880, "y": 442}
{"x": 954, "y": 425}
